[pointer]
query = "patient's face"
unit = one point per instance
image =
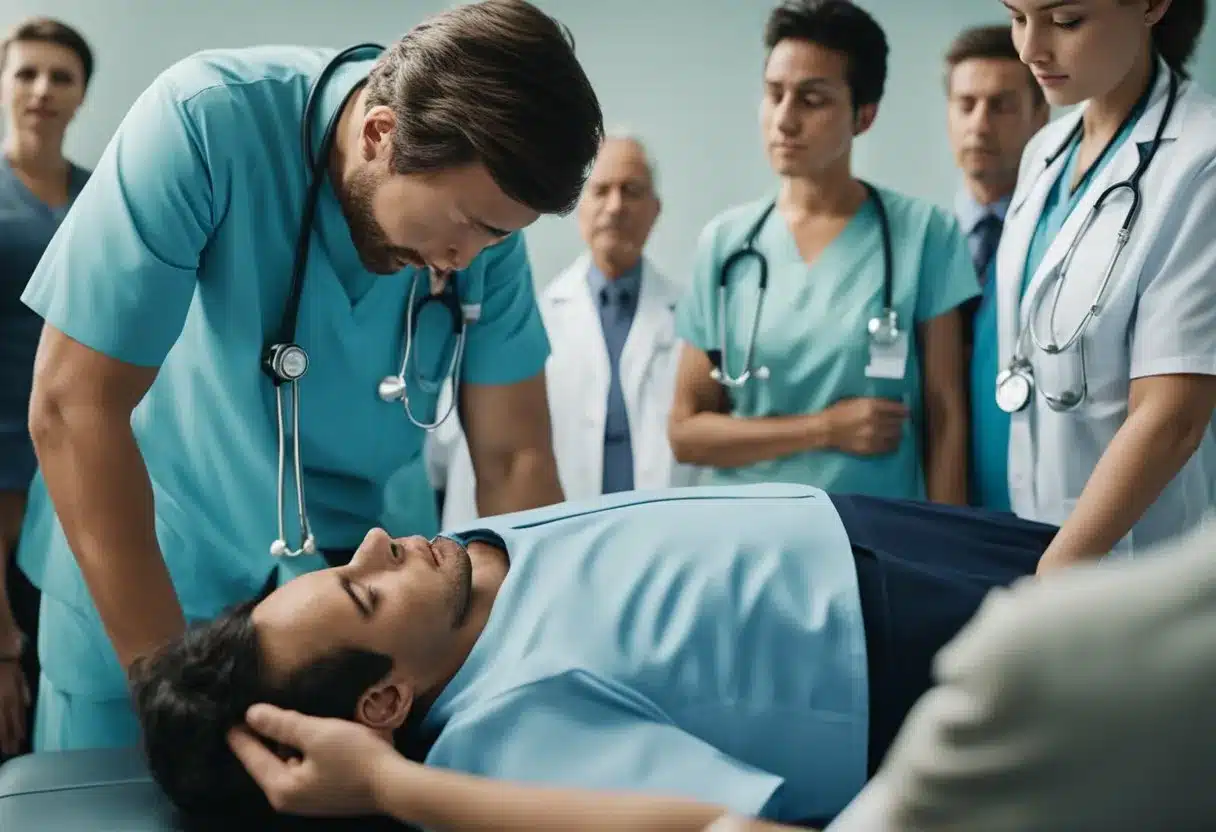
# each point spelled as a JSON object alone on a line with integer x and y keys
{"x": 405, "y": 598}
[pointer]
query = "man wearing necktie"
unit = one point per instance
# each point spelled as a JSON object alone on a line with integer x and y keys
{"x": 995, "y": 107}
{"x": 617, "y": 299}
{"x": 612, "y": 366}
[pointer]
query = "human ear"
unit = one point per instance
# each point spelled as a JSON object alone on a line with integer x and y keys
{"x": 377, "y": 134}
{"x": 865, "y": 119}
{"x": 385, "y": 707}
{"x": 1156, "y": 11}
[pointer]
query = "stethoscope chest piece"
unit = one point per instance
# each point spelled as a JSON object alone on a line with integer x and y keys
{"x": 395, "y": 387}
{"x": 884, "y": 328}
{"x": 391, "y": 389}
{"x": 287, "y": 362}
{"x": 1014, "y": 388}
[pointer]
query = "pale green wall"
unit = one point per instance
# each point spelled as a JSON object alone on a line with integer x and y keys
{"x": 683, "y": 73}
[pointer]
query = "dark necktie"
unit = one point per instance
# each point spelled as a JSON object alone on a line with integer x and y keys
{"x": 988, "y": 237}
{"x": 616, "y": 317}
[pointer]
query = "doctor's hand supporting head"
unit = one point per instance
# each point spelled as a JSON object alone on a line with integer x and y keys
{"x": 364, "y": 643}
{"x": 332, "y": 776}
{"x": 474, "y": 124}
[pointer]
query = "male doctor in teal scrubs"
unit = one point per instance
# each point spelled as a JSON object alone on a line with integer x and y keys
{"x": 154, "y": 421}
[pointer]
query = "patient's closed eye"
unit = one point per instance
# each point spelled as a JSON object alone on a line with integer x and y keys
{"x": 363, "y": 597}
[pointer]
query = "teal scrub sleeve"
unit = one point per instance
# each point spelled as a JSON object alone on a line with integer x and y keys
{"x": 1174, "y": 328}
{"x": 947, "y": 274}
{"x": 573, "y": 731}
{"x": 120, "y": 273}
{"x": 695, "y": 312}
{"x": 509, "y": 343}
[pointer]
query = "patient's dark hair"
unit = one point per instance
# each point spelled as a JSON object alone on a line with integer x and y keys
{"x": 191, "y": 692}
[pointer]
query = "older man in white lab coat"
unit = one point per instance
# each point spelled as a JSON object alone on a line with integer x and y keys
{"x": 612, "y": 368}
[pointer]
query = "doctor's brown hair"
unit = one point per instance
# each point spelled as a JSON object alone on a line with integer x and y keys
{"x": 495, "y": 82}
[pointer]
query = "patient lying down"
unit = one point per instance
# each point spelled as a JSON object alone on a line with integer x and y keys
{"x": 752, "y": 649}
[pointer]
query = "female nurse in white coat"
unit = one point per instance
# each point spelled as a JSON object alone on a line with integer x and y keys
{"x": 1110, "y": 380}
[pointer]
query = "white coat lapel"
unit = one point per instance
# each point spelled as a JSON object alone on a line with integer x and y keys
{"x": 1024, "y": 211}
{"x": 576, "y": 377}
{"x": 1089, "y": 262}
{"x": 650, "y": 332}
{"x": 647, "y": 373}
{"x": 572, "y": 317}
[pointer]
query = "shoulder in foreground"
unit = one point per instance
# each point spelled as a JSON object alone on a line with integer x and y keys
{"x": 229, "y": 68}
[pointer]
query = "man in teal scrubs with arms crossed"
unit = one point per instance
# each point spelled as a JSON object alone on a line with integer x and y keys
{"x": 839, "y": 410}
{"x": 153, "y": 418}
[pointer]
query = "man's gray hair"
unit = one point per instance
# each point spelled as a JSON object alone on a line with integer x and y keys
{"x": 628, "y": 134}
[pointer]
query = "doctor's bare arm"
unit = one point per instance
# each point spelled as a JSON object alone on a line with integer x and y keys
{"x": 1168, "y": 417}
{"x": 511, "y": 445}
{"x": 702, "y": 431}
{"x": 945, "y": 403}
{"x": 115, "y": 288}
{"x": 80, "y": 421}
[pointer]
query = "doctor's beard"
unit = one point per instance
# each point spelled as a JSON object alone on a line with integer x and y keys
{"x": 378, "y": 255}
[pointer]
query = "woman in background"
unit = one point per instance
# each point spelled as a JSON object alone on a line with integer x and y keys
{"x": 45, "y": 67}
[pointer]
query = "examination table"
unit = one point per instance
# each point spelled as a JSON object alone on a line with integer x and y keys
{"x": 108, "y": 791}
{"x": 111, "y": 791}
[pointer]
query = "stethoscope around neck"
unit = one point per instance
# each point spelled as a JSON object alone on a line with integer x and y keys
{"x": 286, "y": 362}
{"x": 883, "y": 329}
{"x": 1015, "y": 384}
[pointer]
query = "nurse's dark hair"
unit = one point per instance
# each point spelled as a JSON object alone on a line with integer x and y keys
{"x": 1177, "y": 32}
{"x": 495, "y": 82}
{"x": 49, "y": 30}
{"x": 191, "y": 692}
{"x": 842, "y": 27}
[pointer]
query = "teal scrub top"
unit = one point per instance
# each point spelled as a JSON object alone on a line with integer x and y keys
{"x": 813, "y": 329}
{"x": 990, "y": 430}
{"x": 702, "y": 642}
{"x": 178, "y": 254}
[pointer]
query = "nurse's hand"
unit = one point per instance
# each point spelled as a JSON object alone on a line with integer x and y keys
{"x": 866, "y": 426}
{"x": 334, "y": 775}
